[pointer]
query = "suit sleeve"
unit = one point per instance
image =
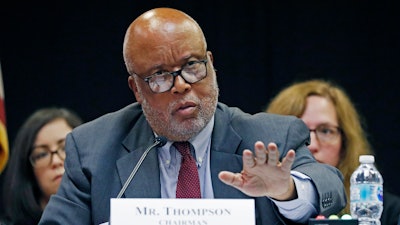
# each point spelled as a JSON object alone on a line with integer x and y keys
{"x": 327, "y": 179}
{"x": 71, "y": 204}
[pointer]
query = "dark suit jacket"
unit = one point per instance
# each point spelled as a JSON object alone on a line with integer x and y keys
{"x": 391, "y": 209}
{"x": 102, "y": 153}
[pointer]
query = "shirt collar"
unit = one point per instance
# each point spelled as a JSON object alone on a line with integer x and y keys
{"x": 201, "y": 142}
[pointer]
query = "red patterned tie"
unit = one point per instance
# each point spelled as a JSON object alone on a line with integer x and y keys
{"x": 188, "y": 180}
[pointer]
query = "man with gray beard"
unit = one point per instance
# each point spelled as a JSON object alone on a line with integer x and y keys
{"x": 236, "y": 154}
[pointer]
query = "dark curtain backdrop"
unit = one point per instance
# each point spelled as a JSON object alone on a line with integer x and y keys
{"x": 69, "y": 53}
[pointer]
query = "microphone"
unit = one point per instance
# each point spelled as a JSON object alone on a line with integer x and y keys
{"x": 158, "y": 142}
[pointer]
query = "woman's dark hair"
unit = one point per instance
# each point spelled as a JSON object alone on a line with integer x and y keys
{"x": 21, "y": 192}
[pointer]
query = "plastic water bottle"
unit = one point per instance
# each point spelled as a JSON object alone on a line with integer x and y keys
{"x": 366, "y": 192}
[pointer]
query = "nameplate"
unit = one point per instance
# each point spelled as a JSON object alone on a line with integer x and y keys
{"x": 156, "y": 211}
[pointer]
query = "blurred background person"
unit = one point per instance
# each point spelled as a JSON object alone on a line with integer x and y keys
{"x": 337, "y": 131}
{"x": 36, "y": 164}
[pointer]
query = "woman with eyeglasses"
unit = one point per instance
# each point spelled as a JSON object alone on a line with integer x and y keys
{"x": 336, "y": 131}
{"x": 36, "y": 164}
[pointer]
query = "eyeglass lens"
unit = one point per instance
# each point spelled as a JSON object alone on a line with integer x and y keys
{"x": 192, "y": 72}
{"x": 327, "y": 133}
{"x": 43, "y": 156}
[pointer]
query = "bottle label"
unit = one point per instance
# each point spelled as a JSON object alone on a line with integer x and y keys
{"x": 366, "y": 192}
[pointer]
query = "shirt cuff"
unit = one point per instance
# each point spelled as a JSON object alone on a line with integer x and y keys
{"x": 305, "y": 206}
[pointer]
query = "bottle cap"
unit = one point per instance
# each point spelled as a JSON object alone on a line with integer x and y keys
{"x": 346, "y": 217}
{"x": 366, "y": 159}
{"x": 320, "y": 217}
{"x": 333, "y": 217}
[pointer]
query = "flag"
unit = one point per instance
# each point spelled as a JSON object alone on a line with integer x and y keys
{"x": 3, "y": 131}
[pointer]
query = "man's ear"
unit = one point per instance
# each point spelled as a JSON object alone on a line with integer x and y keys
{"x": 132, "y": 85}
{"x": 211, "y": 56}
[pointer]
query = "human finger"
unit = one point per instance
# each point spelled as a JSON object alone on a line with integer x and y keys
{"x": 248, "y": 159}
{"x": 261, "y": 153}
{"x": 288, "y": 160}
{"x": 230, "y": 178}
{"x": 273, "y": 154}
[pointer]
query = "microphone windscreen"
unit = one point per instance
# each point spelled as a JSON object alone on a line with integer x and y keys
{"x": 161, "y": 141}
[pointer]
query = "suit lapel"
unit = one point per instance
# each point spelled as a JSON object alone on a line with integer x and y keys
{"x": 224, "y": 145}
{"x": 146, "y": 182}
{"x": 136, "y": 142}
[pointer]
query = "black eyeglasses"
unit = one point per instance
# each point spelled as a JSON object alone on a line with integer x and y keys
{"x": 43, "y": 156}
{"x": 191, "y": 72}
{"x": 327, "y": 133}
